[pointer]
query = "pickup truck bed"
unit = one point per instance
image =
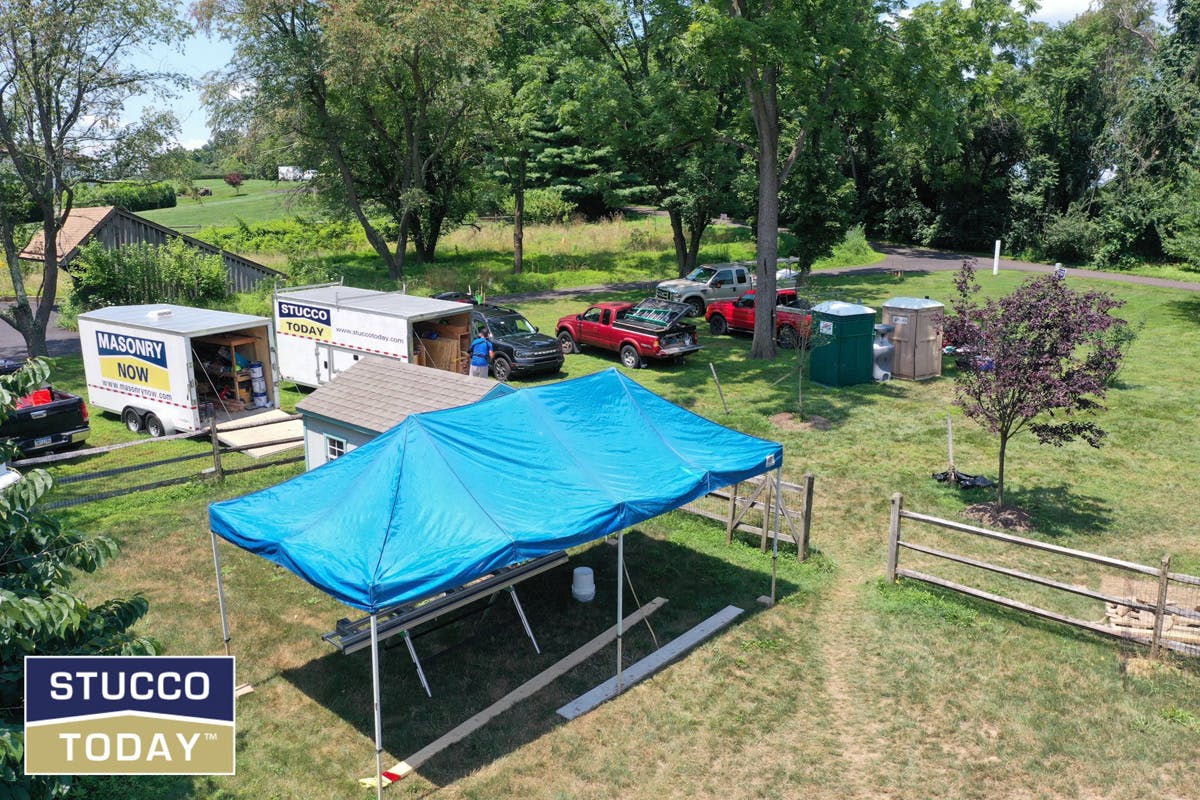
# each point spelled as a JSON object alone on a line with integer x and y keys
{"x": 47, "y": 419}
{"x": 649, "y": 330}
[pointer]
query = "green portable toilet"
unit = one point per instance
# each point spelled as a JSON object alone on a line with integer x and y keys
{"x": 846, "y": 358}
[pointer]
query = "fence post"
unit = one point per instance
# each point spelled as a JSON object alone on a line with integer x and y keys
{"x": 806, "y": 525}
{"x": 1160, "y": 608}
{"x": 894, "y": 537}
{"x": 218, "y": 473}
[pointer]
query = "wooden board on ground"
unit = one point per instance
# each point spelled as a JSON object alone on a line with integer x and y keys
{"x": 1180, "y": 623}
{"x": 538, "y": 682}
{"x": 276, "y": 425}
{"x": 651, "y": 663}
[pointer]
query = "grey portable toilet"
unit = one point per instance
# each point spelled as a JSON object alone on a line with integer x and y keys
{"x": 848, "y": 357}
{"x": 917, "y": 335}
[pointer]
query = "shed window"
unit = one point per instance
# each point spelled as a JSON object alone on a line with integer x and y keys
{"x": 334, "y": 448}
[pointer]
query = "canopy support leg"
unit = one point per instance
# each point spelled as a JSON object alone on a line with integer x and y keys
{"x": 220, "y": 593}
{"x": 512, "y": 591}
{"x": 378, "y": 714}
{"x": 412, "y": 653}
{"x": 620, "y": 607}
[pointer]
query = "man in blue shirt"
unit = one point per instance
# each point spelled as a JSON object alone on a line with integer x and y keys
{"x": 481, "y": 354}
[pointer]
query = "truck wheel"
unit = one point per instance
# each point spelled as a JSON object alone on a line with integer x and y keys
{"x": 154, "y": 426}
{"x": 697, "y": 306}
{"x": 787, "y": 337}
{"x": 501, "y": 368}
{"x": 718, "y": 326}
{"x": 630, "y": 357}
{"x": 132, "y": 419}
{"x": 567, "y": 342}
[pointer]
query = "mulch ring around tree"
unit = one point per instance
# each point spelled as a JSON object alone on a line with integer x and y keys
{"x": 1009, "y": 518}
{"x": 786, "y": 421}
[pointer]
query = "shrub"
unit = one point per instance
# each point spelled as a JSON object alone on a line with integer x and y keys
{"x": 146, "y": 273}
{"x": 296, "y": 237}
{"x": 543, "y": 206}
{"x": 129, "y": 196}
{"x": 1071, "y": 237}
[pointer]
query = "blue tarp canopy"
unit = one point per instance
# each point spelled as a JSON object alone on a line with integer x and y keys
{"x": 448, "y": 496}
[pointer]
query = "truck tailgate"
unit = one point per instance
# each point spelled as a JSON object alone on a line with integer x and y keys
{"x": 35, "y": 427}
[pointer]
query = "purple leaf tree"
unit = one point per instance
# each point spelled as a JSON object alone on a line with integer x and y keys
{"x": 1040, "y": 358}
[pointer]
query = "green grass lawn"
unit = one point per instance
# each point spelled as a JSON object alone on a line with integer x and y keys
{"x": 254, "y": 201}
{"x": 847, "y": 688}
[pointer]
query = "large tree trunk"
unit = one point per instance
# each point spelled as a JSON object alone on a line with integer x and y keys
{"x": 681, "y": 249}
{"x": 402, "y": 243}
{"x": 519, "y": 216}
{"x": 763, "y": 101}
{"x": 699, "y": 225}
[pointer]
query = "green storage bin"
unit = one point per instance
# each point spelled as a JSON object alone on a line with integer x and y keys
{"x": 846, "y": 359}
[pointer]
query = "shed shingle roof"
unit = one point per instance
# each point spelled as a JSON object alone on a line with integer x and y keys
{"x": 376, "y": 394}
{"x": 80, "y": 225}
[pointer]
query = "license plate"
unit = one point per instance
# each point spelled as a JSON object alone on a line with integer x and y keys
{"x": 43, "y": 441}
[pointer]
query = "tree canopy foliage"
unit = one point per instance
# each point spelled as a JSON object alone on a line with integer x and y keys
{"x": 949, "y": 125}
{"x": 1040, "y": 358}
{"x": 63, "y": 84}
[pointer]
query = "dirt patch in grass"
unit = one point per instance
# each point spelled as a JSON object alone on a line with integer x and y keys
{"x": 1010, "y": 518}
{"x": 787, "y": 421}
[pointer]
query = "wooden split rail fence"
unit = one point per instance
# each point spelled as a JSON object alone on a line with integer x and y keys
{"x": 1159, "y": 608}
{"x": 155, "y": 463}
{"x": 745, "y": 508}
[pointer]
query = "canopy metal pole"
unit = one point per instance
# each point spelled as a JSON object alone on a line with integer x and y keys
{"x": 378, "y": 715}
{"x": 620, "y": 606}
{"x": 220, "y": 593}
{"x": 775, "y": 530}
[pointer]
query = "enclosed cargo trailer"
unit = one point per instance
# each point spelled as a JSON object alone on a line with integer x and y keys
{"x": 324, "y": 330}
{"x": 166, "y": 368}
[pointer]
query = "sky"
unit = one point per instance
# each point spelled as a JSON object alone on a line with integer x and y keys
{"x": 201, "y": 55}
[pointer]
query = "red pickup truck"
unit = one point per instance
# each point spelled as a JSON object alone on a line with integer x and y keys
{"x": 791, "y": 316}
{"x": 649, "y": 329}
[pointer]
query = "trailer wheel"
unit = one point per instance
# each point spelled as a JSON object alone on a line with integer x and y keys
{"x": 630, "y": 357}
{"x": 154, "y": 426}
{"x": 132, "y": 419}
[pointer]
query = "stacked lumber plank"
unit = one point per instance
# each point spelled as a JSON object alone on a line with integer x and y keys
{"x": 1181, "y": 622}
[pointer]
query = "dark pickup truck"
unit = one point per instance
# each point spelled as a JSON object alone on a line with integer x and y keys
{"x": 650, "y": 329}
{"x": 45, "y": 420}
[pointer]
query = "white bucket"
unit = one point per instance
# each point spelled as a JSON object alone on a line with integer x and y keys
{"x": 583, "y": 584}
{"x": 260, "y": 399}
{"x": 258, "y": 385}
{"x": 256, "y": 369}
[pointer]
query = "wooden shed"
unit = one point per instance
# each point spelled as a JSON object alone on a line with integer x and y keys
{"x": 114, "y": 227}
{"x": 375, "y": 395}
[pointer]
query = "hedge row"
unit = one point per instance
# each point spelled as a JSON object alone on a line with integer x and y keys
{"x": 130, "y": 196}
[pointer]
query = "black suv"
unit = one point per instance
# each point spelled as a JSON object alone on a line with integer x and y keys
{"x": 519, "y": 348}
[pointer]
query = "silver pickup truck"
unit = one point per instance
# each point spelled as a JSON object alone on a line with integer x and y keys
{"x": 707, "y": 283}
